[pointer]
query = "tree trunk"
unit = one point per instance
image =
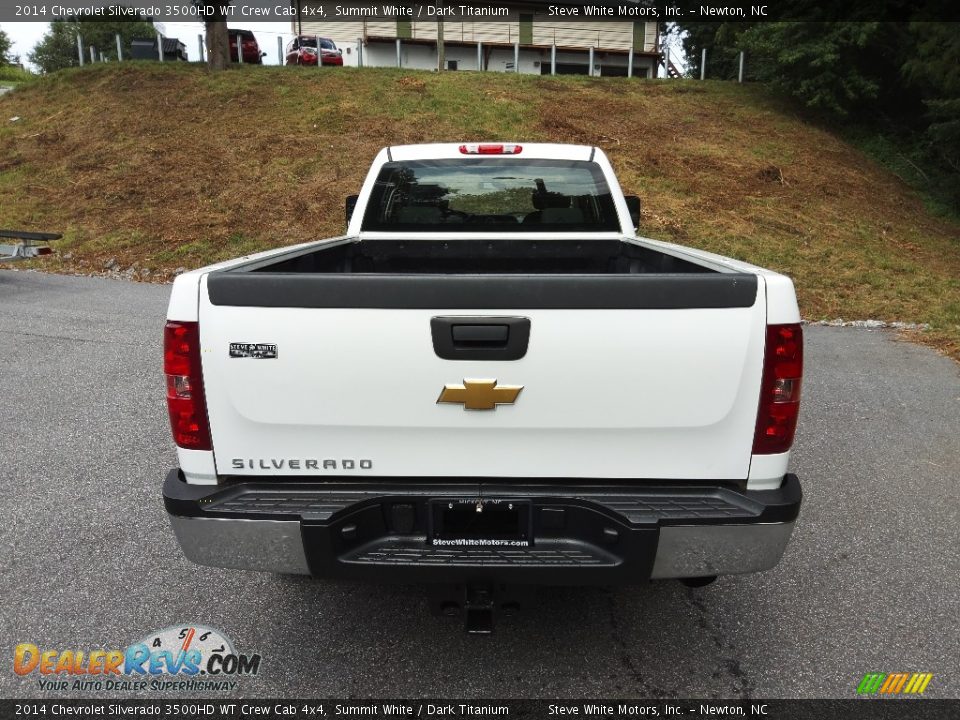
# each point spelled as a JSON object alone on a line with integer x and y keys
{"x": 218, "y": 45}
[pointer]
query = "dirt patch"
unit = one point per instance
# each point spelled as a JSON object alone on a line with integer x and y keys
{"x": 409, "y": 82}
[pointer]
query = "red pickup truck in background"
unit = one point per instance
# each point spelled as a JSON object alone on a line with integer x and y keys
{"x": 248, "y": 42}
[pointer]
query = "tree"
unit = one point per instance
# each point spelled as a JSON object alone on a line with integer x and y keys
{"x": 721, "y": 41}
{"x": 5, "y": 45}
{"x": 218, "y": 39}
{"x": 218, "y": 44}
{"x": 834, "y": 68}
{"x": 933, "y": 68}
{"x": 58, "y": 48}
{"x": 894, "y": 79}
{"x": 837, "y": 69}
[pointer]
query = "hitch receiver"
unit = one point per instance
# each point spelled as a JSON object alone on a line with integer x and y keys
{"x": 477, "y": 602}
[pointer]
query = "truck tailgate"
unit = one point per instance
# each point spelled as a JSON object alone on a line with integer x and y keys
{"x": 607, "y": 393}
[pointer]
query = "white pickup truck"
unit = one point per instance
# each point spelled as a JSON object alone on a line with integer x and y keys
{"x": 489, "y": 380}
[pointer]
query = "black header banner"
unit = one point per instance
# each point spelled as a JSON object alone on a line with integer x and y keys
{"x": 226, "y": 708}
{"x": 258, "y": 11}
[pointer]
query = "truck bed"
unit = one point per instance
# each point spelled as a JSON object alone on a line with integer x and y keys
{"x": 482, "y": 257}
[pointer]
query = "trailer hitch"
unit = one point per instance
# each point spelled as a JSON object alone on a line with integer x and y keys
{"x": 478, "y": 603}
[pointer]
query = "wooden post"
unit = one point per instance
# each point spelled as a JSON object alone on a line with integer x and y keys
{"x": 740, "y": 74}
{"x": 667, "y": 68}
{"x": 479, "y": 56}
{"x": 703, "y": 64}
{"x": 119, "y": 49}
{"x": 359, "y": 52}
{"x": 80, "y": 48}
{"x": 93, "y": 54}
{"x": 160, "y": 46}
{"x": 441, "y": 48}
{"x": 319, "y": 55}
{"x": 516, "y": 57}
{"x": 200, "y": 46}
{"x": 279, "y": 50}
{"x": 630, "y": 61}
{"x": 590, "y": 62}
{"x": 399, "y": 62}
{"x": 553, "y": 58}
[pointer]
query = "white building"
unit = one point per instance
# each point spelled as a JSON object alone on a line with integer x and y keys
{"x": 530, "y": 41}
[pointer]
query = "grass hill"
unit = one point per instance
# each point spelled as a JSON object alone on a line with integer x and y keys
{"x": 158, "y": 167}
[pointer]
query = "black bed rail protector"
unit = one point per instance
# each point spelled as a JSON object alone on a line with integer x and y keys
{"x": 492, "y": 292}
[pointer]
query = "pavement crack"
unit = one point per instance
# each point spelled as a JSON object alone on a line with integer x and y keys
{"x": 728, "y": 662}
{"x": 627, "y": 662}
{"x": 98, "y": 341}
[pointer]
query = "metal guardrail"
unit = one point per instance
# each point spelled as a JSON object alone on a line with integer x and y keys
{"x": 31, "y": 244}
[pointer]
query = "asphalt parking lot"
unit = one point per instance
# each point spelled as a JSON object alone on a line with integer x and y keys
{"x": 869, "y": 584}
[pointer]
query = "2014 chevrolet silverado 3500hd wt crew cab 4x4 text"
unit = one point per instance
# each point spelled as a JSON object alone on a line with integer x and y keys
{"x": 489, "y": 379}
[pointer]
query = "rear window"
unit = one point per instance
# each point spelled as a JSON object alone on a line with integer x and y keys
{"x": 491, "y": 194}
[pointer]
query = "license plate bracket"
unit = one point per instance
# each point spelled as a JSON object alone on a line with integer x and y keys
{"x": 481, "y": 522}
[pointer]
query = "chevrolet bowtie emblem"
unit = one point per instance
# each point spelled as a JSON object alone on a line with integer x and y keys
{"x": 480, "y": 394}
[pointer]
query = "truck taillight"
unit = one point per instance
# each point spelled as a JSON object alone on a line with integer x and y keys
{"x": 779, "y": 390}
{"x": 185, "y": 399}
{"x": 490, "y": 149}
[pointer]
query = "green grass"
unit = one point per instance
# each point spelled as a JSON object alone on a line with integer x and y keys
{"x": 12, "y": 76}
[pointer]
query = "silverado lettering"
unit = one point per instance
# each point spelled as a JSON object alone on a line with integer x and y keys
{"x": 299, "y": 464}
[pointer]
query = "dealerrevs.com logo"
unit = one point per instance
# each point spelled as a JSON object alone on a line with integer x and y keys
{"x": 182, "y": 658}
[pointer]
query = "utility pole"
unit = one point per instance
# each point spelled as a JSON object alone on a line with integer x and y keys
{"x": 441, "y": 48}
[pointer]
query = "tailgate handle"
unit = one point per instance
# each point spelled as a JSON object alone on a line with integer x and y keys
{"x": 488, "y": 335}
{"x": 480, "y": 338}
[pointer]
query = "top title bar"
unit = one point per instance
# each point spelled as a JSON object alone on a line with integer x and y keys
{"x": 254, "y": 11}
